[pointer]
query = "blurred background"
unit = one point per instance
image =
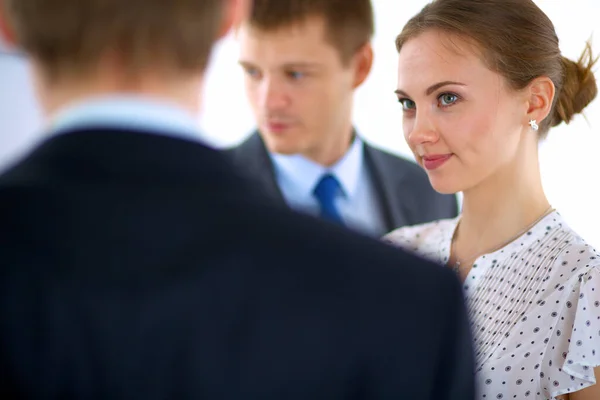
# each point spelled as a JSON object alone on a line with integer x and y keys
{"x": 570, "y": 157}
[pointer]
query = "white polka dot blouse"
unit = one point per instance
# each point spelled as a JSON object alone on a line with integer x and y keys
{"x": 534, "y": 307}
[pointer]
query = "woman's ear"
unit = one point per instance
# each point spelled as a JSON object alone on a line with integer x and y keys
{"x": 540, "y": 95}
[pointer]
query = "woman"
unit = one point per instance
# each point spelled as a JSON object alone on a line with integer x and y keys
{"x": 480, "y": 82}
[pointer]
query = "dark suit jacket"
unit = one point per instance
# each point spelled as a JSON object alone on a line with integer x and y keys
{"x": 403, "y": 188}
{"x": 133, "y": 268}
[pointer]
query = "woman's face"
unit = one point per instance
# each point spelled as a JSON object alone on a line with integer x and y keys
{"x": 461, "y": 120}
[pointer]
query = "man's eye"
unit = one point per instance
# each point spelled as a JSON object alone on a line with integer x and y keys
{"x": 254, "y": 73}
{"x": 295, "y": 74}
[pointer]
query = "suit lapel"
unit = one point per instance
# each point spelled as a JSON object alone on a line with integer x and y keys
{"x": 252, "y": 158}
{"x": 389, "y": 183}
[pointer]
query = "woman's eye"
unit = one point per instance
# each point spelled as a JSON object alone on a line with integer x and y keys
{"x": 407, "y": 104}
{"x": 448, "y": 99}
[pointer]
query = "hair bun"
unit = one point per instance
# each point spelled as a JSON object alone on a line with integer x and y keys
{"x": 579, "y": 87}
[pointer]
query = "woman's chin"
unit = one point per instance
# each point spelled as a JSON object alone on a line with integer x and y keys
{"x": 444, "y": 186}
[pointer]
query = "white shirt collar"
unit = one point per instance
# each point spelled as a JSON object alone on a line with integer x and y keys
{"x": 304, "y": 174}
{"x": 129, "y": 112}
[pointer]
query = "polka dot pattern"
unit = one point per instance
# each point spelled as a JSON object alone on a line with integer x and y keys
{"x": 534, "y": 308}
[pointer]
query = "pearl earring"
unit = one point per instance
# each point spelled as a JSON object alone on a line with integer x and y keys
{"x": 533, "y": 124}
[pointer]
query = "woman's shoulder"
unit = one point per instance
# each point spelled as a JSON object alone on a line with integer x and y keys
{"x": 415, "y": 237}
{"x": 574, "y": 251}
{"x": 574, "y": 261}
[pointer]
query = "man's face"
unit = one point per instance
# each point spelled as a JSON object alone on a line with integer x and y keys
{"x": 298, "y": 87}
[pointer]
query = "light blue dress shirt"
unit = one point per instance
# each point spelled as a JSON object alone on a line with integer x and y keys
{"x": 359, "y": 207}
{"x": 147, "y": 115}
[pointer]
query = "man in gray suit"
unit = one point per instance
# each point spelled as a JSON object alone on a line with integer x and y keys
{"x": 303, "y": 61}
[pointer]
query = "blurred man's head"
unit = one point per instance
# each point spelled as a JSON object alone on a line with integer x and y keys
{"x": 128, "y": 45}
{"x": 303, "y": 60}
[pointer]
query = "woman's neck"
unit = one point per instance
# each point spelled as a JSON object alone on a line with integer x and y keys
{"x": 500, "y": 209}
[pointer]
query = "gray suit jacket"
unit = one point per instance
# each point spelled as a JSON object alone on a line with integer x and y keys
{"x": 403, "y": 188}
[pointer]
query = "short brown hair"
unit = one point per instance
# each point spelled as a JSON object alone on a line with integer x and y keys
{"x": 518, "y": 41}
{"x": 67, "y": 36}
{"x": 349, "y": 23}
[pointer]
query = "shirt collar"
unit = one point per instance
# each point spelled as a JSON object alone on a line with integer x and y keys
{"x": 129, "y": 112}
{"x": 304, "y": 173}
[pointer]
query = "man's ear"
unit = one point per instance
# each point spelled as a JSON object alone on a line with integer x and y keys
{"x": 234, "y": 13}
{"x": 363, "y": 62}
{"x": 6, "y": 33}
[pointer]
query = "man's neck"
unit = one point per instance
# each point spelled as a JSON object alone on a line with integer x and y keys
{"x": 184, "y": 92}
{"x": 333, "y": 150}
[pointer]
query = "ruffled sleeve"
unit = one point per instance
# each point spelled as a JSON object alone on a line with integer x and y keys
{"x": 574, "y": 345}
{"x": 429, "y": 240}
{"x": 401, "y": 238}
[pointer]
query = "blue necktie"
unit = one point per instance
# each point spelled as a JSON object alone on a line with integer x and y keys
{"x": 326, "y": 192}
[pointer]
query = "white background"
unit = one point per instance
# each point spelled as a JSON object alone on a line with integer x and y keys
{"x": 570, "y": 157}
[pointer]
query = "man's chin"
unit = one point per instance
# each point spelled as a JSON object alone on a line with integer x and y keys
{"x": 283, "y": 149}
{"x": 280, "y": 145}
